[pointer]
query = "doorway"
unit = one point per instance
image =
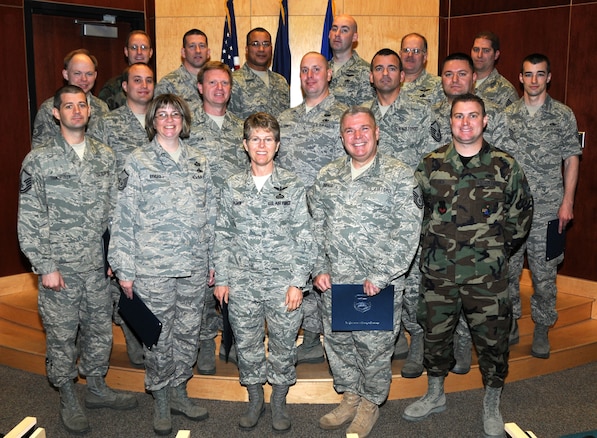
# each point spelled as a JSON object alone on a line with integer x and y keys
{"x": 52, "y": 30}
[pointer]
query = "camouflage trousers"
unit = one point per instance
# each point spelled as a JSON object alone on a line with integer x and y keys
{"x": 211, "y": 319}
{"x": 312, "y": 311}
{"x": 543, "y": 274}
{"x": 84, "y": 306}
{"x": 361, "y": 361}
{"x": 488, "y": 312}
{"x": 178, "y": 304}
{"x": 411, "y": 297}
{"x": 252, "y": 306}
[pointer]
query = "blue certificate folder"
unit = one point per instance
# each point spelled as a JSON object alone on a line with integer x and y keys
{"x": 352, "y": 310}
{"x": 140, "y": 319}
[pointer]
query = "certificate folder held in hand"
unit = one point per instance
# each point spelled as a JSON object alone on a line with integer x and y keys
{"x": 555, "y": 240}
{"x": 140, "y": 319}
{"x": 353, "y": 310}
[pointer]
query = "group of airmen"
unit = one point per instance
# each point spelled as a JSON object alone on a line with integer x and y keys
{"x": 406, "y": 178}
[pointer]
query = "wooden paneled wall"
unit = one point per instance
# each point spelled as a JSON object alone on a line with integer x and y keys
{"x": 380, "y": 24}
{"x": 565, "y": 31}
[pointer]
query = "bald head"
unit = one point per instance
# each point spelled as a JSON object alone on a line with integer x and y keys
{"x": 343, "y": 35}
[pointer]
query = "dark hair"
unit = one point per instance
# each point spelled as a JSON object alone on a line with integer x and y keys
{"x": 125, "y": 73}
{"x": 162, "y": 101}
{"x": 263, "y": 121}
{"x": 258, "y": 29}
{"x": 387, "y": 52}
{"x": 70, "y": 55}
{"x": 468, "y": 97}
{"x": 489, "y": 35}
{"x": 138, "y": 32}
{"x": 213, "y": 65}
{"x": 354, "y": 110}
{"x": 536, "y": 58}
{"x": 67, "y": 89}
{"x": 193, "y": 32}
{"x": 417, "y": 35}
{"x": 459, "y": 56}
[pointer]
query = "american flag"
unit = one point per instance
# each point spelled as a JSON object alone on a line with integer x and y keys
{"x": 229, "y": 41}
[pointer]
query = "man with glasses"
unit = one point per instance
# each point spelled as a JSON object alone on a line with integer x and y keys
{"x": 183, "y": 81}
{"x": 350, "y": 73}
{"x": 255, "y": 88}
{"x": 137, "y": 49}
{"x": 491, "y": 85}
{"x": 417, "y": 81}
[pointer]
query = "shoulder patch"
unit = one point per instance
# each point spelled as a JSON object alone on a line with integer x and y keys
{"x": 435, "y": 131}
{"x": 26, "y": 181}
{"x": 418, "y": 197}
{"x": 123, "y": 180}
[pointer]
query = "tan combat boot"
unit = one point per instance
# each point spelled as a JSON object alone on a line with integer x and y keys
{"x": 342, "y": 414}
{"x": 367, "y": 415}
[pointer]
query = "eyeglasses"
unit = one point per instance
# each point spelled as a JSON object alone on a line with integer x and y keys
{"x": 174, "y": 115}
{"x": 255, "y": 141}
{"x": 135, "y": 47}
{"x": 260, "y": 43}
{"x": 408, "y": 50}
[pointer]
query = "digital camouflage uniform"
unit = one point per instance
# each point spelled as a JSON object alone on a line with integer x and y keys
{"x": 406, "y": 133}
{"x": 427, "y": 87}
{"x": 250, "y": 94}
{"x": 309, "y": 141}
{"x": 182, "y": 83}
{"x": 112, "y": 93}
{"x": 497, "y": 89}
{"x": 123, "y": 133}
{"x": 365, "y": 229}
{"x": 474, "y": 216}
{"x": 263, "y": 246}
{"x": 226, "y": 158}
{"x": 162, "y": 238}
{"x": 46, "y": 127}
{"x": 121, "y": 130}
{"x": 350, "y": 84}
{"x": 541, "y": 143}
{"x": 65, "y": 205}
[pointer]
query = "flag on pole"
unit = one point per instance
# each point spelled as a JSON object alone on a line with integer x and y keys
{"x": 326, "y": 50}
{"x": 282, "y": 60}
{"x": 229, "y": 41}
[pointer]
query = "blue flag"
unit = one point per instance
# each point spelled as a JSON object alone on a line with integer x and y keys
{"x": 282, "y": 59}
{"x": 229, "y": 41}
{"x": 326, "y": 50}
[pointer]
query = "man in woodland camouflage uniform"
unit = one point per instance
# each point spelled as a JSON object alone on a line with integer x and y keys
{"x": 309, "y": 135}
{"x": 367, "y": 213}
{"x": 545, "y": 134}
{"x": 458, "y": 78}
{"x": 478, "y": 209}
{"x": 66, "y": 198}
{"x": 255, "y": 87}
{"x": 350, "y": 73}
